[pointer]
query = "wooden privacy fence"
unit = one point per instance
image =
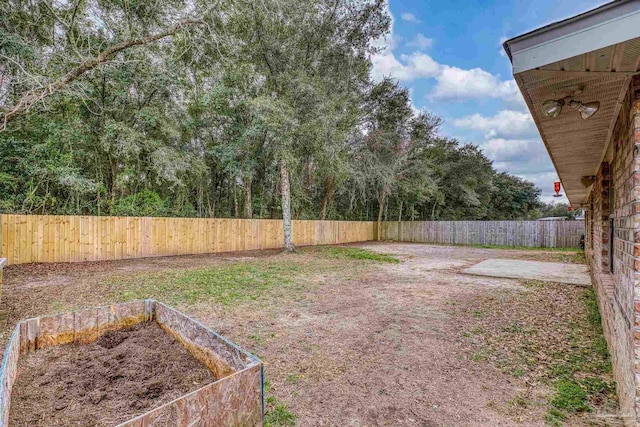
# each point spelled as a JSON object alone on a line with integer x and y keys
{"x": 547, "y": 234}
{"x": 45, "y": 238}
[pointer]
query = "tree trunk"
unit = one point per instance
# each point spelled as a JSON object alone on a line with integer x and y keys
{"x": 285, "y": 189}
{"x": 400, "y": 221}
{"x": 236, "y": 208}
{"x": 330, "y": 189}
{"x": 381, "y": 197}
{"x": 113, "y": 169}
{"x": 248, "y": 207}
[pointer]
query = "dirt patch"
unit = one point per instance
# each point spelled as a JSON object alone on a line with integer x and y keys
{"x": 473, "y": 253}
{"x": 124, "y": 373}
{"x": 548, "y": 336}
{"x": 380, "y": 344}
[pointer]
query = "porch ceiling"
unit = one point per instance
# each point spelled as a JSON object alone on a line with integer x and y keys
{"x": 576, "y": 146}
{"x": 553, "y": 61}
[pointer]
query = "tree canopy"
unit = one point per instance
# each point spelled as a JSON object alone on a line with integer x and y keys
{"x": 228, "y": 109}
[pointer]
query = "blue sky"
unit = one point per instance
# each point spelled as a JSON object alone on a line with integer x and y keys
{"x": 449, "y": 54}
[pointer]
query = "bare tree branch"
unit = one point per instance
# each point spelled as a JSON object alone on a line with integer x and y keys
{"x": 30, "y": 98}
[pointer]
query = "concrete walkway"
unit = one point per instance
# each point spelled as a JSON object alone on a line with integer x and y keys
{"x": 574, "y": 274}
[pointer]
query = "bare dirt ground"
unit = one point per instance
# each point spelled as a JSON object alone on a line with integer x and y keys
{"x": 123, "y": 374}
{"x": 356, "y": 343}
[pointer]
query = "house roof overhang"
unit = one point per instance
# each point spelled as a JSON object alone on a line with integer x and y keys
{"x": 592, "y": 55}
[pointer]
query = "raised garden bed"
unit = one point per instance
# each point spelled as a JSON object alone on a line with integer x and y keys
{"x": 132, "y": 364}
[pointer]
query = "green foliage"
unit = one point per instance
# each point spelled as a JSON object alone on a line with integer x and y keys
{"x": 196, "y": 125}
{"x": 513, "y": 198}
{"x": 556, "y": 210}
{"x": 144, "y": 203}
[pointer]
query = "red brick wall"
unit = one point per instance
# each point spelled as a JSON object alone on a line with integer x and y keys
{"x": 616, "y": 292}
{"x": 600, "y": 219}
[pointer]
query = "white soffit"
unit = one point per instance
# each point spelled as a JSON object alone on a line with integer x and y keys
{"x": 597, "y": 51}
{"x": 607, "y": 25}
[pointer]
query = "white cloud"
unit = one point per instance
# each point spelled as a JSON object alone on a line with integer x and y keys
{"x": 518, "y": 156}
{"x": 453, "y": 83}
{"x": 458, "y": 83}
{"x": 414, "y": 66}
{"x": 505, "y": 124}
{"x": 526, "y": 158}
{"x": 544, "y": 181}
{"x": 511, "y": 139}
{"x": 421, "y": 42}
{"x": 505, "y": 151}
{"x": 410, "y": 17}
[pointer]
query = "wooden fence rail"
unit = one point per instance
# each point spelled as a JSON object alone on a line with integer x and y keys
{"x": 46, "y": 238}
{"x": 547, "y": 234}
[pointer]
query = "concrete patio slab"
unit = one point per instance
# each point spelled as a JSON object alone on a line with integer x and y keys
{"x": 574, "y": 274}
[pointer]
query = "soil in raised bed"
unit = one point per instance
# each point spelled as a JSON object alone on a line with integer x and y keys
{"x": 123, "y": 374}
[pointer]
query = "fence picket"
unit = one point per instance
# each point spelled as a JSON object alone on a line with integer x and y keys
{"x": 550, "y": 234}
{"x": 43, "y": 238}
{"x": 48, "y": 238}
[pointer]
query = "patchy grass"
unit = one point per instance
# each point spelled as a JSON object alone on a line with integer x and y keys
{"x": 570, "y": 397}
{"x": 527, "y": 248}
{"x": 555, "y": 418}
{"x": 229, "y": 283}
{"x": 346, "y": 252}
{"x": 293, "y": 378}
{"x": 549, "y": 334}
{"x": 279, "y": 415}
{"x": 276, "y": 413}
{"x": 517, "y": 248}
{"x": 564, "y": 255}
{"x": 222, "y": 284}
{"x": 272, "y": 302}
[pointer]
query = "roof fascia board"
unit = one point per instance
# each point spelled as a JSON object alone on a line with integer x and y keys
{"x": 608, "y": 25}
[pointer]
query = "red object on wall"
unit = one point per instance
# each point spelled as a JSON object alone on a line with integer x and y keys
{"x": 569, "y": 209}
